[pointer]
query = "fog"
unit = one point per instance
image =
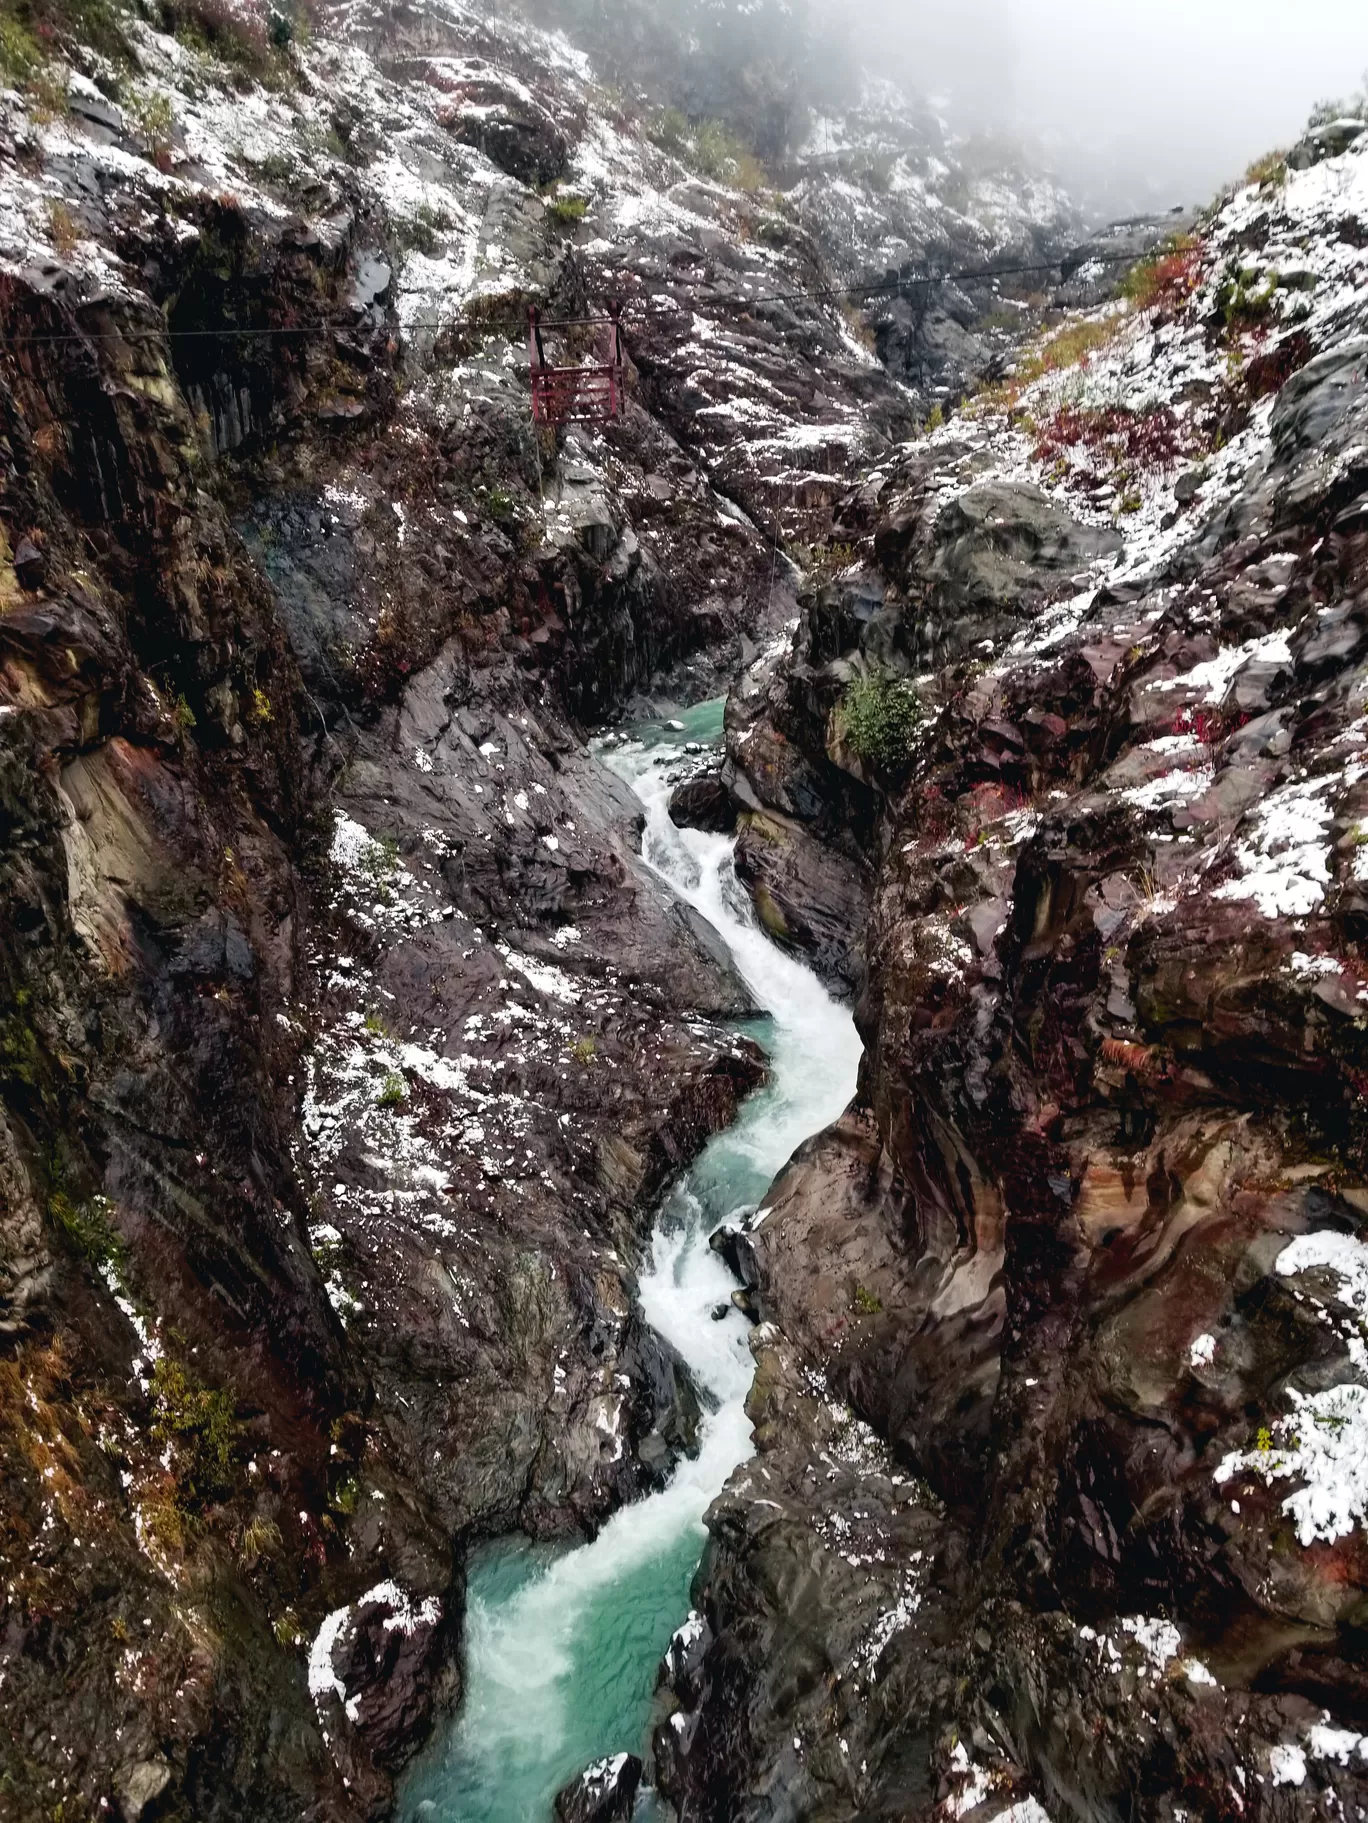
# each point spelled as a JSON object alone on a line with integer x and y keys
{"x": 1136, "y": 103}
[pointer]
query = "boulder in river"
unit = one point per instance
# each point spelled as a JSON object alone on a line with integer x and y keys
{"x": 603, "y": 1793}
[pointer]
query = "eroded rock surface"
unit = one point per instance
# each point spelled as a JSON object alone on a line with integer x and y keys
{"x": 1059, "y": 1509}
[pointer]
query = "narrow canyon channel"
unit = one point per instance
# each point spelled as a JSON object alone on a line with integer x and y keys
{"x": 562, "y": 1647}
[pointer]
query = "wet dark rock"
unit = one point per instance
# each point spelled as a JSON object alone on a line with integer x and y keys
{"x": 604, "y": 1793}
{"x": 810, "y": 898}
{"x": 704, "y": 803}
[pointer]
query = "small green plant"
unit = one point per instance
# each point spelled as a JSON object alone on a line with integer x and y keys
{"x": 1263, "y": 1443}
{"x": 866, "y": 1303}
{"x": 1073, "y": 346}
{"x": 877, "y": 719}
{"x": 153, "y": 116}
{"x": 183, "y": 715}
{"x": 567, "y": 210}
{"x": 394, "y": 1092}
{"x": 376, "y": 1026}
{"x": 261, "y": 705}
{"x": 287, "y": 1629}
{"x": 584, "y": 1050}
{"x": 200, "y": 1423}
{"x": 89, "y": 1226}
{"x": 671, "y": 132}
{"x": 1269, "y": 171}
{"x": 346, "y": 1497}
{"x": 1241, "y": 301}
{"x": 420, "y": 230}
{"x": 260, "y": 1538}
{"x": 21, "y": 55}
{"x": 501, "y": 504}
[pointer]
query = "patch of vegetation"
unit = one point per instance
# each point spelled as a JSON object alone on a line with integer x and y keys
{"x": 287, "y": 1629}
{"x": 260, "y": 1538}
{"x": 1166, "y": 278}
{"x": 200, "y": 1424}
{"x": 62, "y": 227}
{"x": 89, "y": 1226}
{"x": 376, "y": 1026}
{"x": 567, "y": 210}
{"x": 822, "y": 561}
{"x": 584, "y": 1050}
{"x": 21, "y": 54}
{"x": 501, "y": 504}
{"x": 1268, "y": 172}
{"x": 878, "y": 718}
{"x": 183, "y": 715}
{"x": 153, "y": 116}
{"x": 346, "y": 1497}
{"x": 21, "y": 1053}
{"x": 1242, "y": 302}
{"x": 1072, "y": 346}
{"x": 417, "y": 233}
{"x": 261, "y": 705}
{"x": 250, "y": 40}
{"x": 711, "y": 148}
{"x": 865, "y": 1302}
{"x": 394, "y": 1092}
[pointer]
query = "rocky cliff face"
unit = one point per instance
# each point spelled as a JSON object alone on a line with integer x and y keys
{"x": 345, "y": 1042}
{"x": 1059, "y": 1507}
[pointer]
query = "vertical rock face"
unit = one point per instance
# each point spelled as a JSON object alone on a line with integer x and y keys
{"x": 1059, "y": 1508}
{"x": 345, "y": 1044}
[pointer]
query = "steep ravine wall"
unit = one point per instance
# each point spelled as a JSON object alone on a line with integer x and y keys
{"x": 1059, "y": 1508}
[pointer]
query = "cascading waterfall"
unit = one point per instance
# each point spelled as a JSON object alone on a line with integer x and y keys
{"x": 562, "y": 1646}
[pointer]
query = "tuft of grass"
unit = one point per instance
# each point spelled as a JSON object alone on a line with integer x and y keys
{"x": 1241, "y": 301}
{"x": 261, "y": 705}
{"x": 567, "y": 210}
{"x": 89, "y": 1226}
{"x": 63, "y": 227}
{"x": 287, "y": 1629}
{"x": 21, "y": 55}
{"x": 260, "y": 1538}
{"x": 866, "y": 1302}
{"x": 877, "y": 719}
{"x": 418, "y": 232}
{"x": 1268, "y": 172}
{"x": 201, "y": 1425}
{"x": 1072, "y": 346}
{"x": 394, "y": 1093}
{"x": 183, "y": 715}
{"x": 584, "y": 1050}
{"x": 1168, "y": 277}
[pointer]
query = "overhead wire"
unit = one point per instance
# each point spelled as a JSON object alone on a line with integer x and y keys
{"x": 657, "y": 305}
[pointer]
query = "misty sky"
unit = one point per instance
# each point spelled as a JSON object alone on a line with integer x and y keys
{"x": 1175, "y": 97}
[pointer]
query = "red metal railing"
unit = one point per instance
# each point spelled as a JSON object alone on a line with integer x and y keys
{"x": 591, "y": 394}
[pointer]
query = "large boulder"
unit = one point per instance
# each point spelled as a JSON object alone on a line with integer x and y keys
{"x": 810, "y": 897}
{"x": 603, "y": 1793}
{"x": 512, "y": 130}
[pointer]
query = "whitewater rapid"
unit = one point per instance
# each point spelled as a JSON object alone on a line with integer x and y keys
{"x": 562, "y": 1649}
